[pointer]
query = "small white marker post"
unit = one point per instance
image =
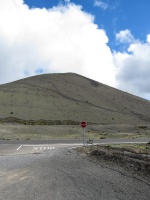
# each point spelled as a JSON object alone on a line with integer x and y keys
{"x": 83, "y": 125}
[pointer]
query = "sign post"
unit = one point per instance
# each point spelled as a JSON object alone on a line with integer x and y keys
{"x": 83, "y": 125}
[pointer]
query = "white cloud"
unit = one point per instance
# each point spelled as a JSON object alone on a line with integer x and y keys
{"x": 112, "y": 5}
{"x": 134, "y": 68}
{"x": 148, "y": 38}
{"x": 125, "y": 36}
{"x": 101, "y": 4}
{"x": 61, "y": 39}
{"x": 67, "y": 1}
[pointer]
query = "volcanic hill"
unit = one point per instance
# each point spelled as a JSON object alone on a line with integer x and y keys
{"x": 68, "y": 99}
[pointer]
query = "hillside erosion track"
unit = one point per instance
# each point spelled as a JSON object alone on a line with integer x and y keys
{"x": 70, "y": 97}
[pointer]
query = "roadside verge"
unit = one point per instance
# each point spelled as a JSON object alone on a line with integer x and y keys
{"x": 132, "y": 158}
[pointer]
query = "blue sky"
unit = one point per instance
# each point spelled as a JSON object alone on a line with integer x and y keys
{"x": 112, "y": 15}
{"x": 105, "y": 40}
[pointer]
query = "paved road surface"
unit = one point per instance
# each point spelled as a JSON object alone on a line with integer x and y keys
{"x": 55, "y": 172}
{"x": 61, "y": 174}
{"x": 100, "y": 141}
{"x": 31, "y": 146}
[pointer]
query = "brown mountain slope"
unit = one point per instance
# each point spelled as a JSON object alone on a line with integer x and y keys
{"x": 70, "y": 97}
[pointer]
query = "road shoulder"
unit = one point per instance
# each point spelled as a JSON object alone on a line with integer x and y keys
{"x": 127, "y": 163}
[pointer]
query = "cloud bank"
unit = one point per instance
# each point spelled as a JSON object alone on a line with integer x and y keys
{"x": 134, "y": 65}
{"x": 60, "y": 39}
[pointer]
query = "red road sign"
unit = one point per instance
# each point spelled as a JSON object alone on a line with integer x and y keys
{"x": 83, "y": 124}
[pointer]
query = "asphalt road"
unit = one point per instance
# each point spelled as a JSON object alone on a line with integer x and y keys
{"x": 56, "y": 172}
{"x": 22, "y": 147}
{"x": 58, "y": 141}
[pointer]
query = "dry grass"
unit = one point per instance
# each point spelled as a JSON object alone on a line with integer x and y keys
{"x": 46, "y": 132}
{"x": 135, "y": 148}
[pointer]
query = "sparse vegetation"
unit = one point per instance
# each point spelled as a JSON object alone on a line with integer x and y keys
{"x": 143, "y": 127}
{"x": 102, "y": 137}
{"x": 46, "y": 132}
{"x": 132, "y": 156}
{"x": 39, "y": 122}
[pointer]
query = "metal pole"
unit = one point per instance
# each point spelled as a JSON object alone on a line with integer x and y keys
{"x": 84, "y": 136}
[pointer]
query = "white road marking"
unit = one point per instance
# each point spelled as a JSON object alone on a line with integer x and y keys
{"x": 39, "y": 147}
{"x": 74, "y": 147}
{"x": 43, "y": 148}
{"x": 105, "y": 143}
{"x": 119, "y": 143}
{"x": 47, "y": 146}
{"x": 35, "y": 148}
{"x": 19, "y": 147}
{"x": 35, "y": 145}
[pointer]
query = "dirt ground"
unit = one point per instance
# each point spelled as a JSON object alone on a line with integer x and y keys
{"x": 132, "y": 157}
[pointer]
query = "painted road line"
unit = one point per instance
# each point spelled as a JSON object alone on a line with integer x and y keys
{"x": 44, "y": 145}
{"x": 36, "y": 145}
{"x": 105, "y": 143}
{"x": 74, "y": 147}
{"x": 19, "y": 147}
{"x": 119, "y": 143}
